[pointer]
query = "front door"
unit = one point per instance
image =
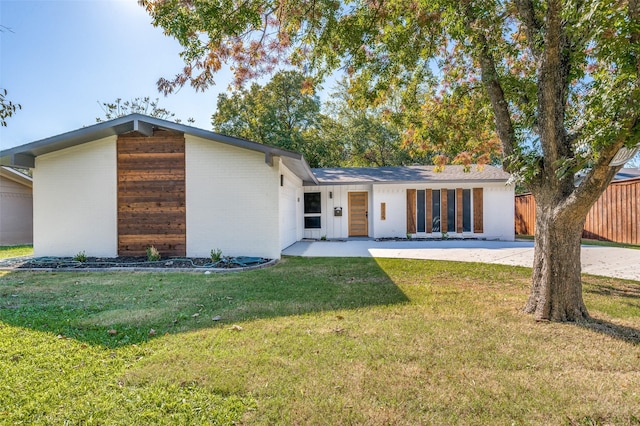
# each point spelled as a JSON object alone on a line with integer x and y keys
{"x": 358, "y": 214}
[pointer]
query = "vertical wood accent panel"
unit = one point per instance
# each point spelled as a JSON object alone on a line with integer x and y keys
{"x": 411, "y": 211}
{"x": 383, "y": 211}
{"x": 429, "y": 202}
{"x": 459, "y": 210}
{"x": 614, "y": 217}
{"x": 151, "y": 193}
{"x": 443, "y": 210}
{"x": 478, "y": 212}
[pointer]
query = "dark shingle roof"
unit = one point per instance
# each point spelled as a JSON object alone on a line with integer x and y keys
{"x": 451, "y": 173}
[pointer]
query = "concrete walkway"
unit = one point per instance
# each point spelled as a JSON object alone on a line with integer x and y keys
{"x": 596, "y": 260}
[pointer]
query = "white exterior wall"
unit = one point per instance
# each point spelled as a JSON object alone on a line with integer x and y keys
{"x": 336, "y": 226}
{"x": 75, "y": 201}
{"x": 291, "y": 208}
{"x": 395, "y": 224}
{"x": 232, "y": 199}
{"x": 498, "y": 210}
{"x": 16, "y": 213}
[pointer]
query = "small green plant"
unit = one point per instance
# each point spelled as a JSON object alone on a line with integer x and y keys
{"x": 153, "y": 255}
{"x": 216, "y": 255}
{"x": 409, "y": 236}
{"x": 80, "y": 257}
{"x": 323, "y": 238}
{"x": 445, "y": 235}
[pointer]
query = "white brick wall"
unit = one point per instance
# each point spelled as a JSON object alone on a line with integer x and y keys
{"x": 291, "y": 209}
{"x": 232, "y": 200}
{"x": 75, "y": 199}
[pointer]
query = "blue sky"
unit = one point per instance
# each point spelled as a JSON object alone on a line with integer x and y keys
{"x": 64, "y": 57}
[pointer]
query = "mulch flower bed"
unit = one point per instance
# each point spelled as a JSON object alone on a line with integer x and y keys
{"x": 141, "y": 262}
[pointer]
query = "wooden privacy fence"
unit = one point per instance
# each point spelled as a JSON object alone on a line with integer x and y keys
{"x": 614, "y": 217}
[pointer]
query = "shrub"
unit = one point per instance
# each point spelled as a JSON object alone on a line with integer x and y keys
{"x": 153, "y": 255}
{"x": 80, "y": 257}
{"x": 216, "y": 255}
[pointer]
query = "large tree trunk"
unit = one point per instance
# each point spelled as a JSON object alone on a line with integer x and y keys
{"x": 556, "y": 294}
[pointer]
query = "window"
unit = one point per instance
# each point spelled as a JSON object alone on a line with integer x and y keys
{"x": 312, "y": 202}
{"x": 435, "y": 210}
{"x": 466, "y": 210}
{"x": 421, "y": 210}
{"x": 451, "y": 210}
{"x": 312, "y": 222}
{"x": 312, "y": 210}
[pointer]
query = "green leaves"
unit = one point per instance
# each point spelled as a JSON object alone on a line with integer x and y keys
{"x": 7, "y": 108}
{"x": 284, "y": 113}
{"x": 399, "y": 50}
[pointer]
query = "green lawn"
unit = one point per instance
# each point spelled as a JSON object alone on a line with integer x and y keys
{"x": 15, "y": 251}
{"x": 313, "y": 341}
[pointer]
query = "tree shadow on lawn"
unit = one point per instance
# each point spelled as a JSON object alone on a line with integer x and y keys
{"x": 115, "y": 309}
{"x": 617, "y": 331}
{"x": 624, "y": 295}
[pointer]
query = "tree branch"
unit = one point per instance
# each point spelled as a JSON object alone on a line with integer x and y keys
{"x": 491, "y": 81}
{"x": 553, "y": 89}
{"x": 531, "y": 24}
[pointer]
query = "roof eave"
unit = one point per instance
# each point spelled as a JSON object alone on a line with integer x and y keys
{"x": 24, "y": 155}
{"x": 16, "y": 176}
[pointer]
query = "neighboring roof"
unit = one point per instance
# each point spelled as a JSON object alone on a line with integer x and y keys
{"x": 24, "y": 155}
{"x": 627, "y": 173}
{"x": 16, "y": 176}
{"x": 408, "y": 174}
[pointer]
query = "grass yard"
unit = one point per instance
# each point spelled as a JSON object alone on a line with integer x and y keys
{"x": 15, "y": 251}
{"x": 313, "y": 341}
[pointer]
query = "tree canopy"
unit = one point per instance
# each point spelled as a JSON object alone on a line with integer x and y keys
{"x": 283, "y": 113}
{"x": 562, "y": 79}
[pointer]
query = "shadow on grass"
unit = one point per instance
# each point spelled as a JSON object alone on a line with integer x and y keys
{"x": 630, "y": 292}
{"x": 116, "y": 309}
{"x": 617, "y": 331}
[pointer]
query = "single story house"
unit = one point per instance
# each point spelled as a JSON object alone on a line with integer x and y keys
{"x": 16, "y": 207}
{"x": 120, "y": 186}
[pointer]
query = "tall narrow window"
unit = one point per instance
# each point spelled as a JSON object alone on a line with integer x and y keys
{"x": 451, "y": 210}
{"x": 466, "y": 210}
{"x": 420, "y": 201}
{"x": 435, "y": 210}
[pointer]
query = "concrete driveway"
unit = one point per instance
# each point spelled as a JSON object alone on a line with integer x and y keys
{"x": 596, "y": 260}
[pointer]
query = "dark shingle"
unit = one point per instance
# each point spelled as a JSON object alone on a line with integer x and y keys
{"x": 354, "y": 175}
